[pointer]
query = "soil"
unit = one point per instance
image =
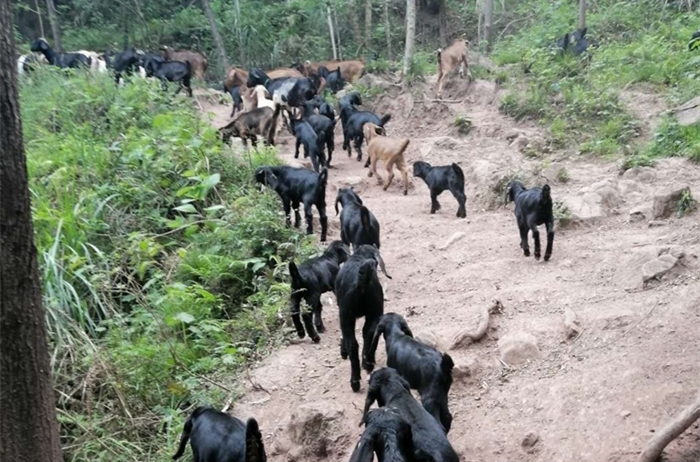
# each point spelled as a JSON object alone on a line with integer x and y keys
{"x": 598, "y": 396}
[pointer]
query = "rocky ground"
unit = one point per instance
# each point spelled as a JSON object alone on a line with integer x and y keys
{"x": 593, "y": 351}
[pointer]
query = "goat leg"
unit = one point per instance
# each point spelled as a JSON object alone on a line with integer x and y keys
{"x": 434, "y": 204}
{"x": 390, "y": 171}
{"x": 318, "y": 309}
{"x": 368, "y": 358}
{"x": 306, "y": 316}
{"x": 296, "y": 149}
{"x": 354, "y": 365}
{"x": 461, "y": 200}
{"x": 523, "y": 240}
{"x": 324, "y": 224}
{"x": 330, "y": 144}
{"x": 295, "y": 316}
{"x": 309, "y": 219}
{"x": 358, "y": 147}
{"x": 550, "y": 240}
{"x": 287, "y": 211}
{"x": 536, "y": 238}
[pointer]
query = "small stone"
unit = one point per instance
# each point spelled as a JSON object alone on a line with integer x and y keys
{"x": 637, "y": 214}
{"x": 428, "y": 337}
{"x": 665, "y": 203}
{"x": 530, "y": 440}
{"x": 625, "y": 414}
{"x": 518, "y": 348}
{"x": 572, "y": 328}
{"x": 657, "y": 267}
{"x": 454, "y": 238}
{"x": 520, "y": 143}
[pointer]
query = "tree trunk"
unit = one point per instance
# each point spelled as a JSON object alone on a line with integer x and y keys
{"x": 488, "y": 23}
{"x": 354, "y": 23}
{"x": 387, "y": 31}
{"x": 330, "y": 29}
{"x": 223, "y": 59}
{"x": 337, "y": 34}
{"x": 442, "y": 23}
{"x": 41, "y": 21}
{"x": 28, "y": 422}
{"x": 368, "y": 24}
{"x": 239, "y": 32}
{"x": 55, "y": 26}
{"x": 410, "y": 37}
{"x": 581, "y": 14}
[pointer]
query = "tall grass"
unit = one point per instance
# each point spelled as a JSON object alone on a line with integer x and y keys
{"x": 162, "y": 264}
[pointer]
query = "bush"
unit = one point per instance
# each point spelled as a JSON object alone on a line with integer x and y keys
{"x": 162, "y": 262}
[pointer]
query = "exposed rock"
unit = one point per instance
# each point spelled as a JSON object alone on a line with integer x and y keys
{"x": 512, "y": 134}
{"x": 688, "y": 113}
{"x": 675, "y": 250}
{"x": 625, "y": 414}
{"x": 314, "y": 428}
{"x": 641, "y": 174}
{"x": 665, "y": 203}
{"x": 428, "y": 337}
{"x": 464, "y": 369}
{"x": 629, "y": 270}
{"x": 597, "y": 200}
{"x": 447, "y": 142}
{"x": 628, "y": 186}
{"x": 572, "y": 327}
{"x": 530, "y": 440}
{"x": 520, "y": 143}
{"x": 374, "y": 81}
{"x": 458, "y": 236}
{"x": 518, "y": 348}
{"x": 638, "y": 214}
{"x": 657, "y": 267}
{"x": 353, "y": 180}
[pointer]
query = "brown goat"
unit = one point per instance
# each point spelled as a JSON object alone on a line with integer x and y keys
{"x": 351, "y": 70}
{"x": 235, "y": 77}
{"x": 448, "y": 60}
{"x": 388, "y": 150}
{"x": 249, "y": 125}
{"x": 283, "y": 72}
{"x": 197, "y": 59}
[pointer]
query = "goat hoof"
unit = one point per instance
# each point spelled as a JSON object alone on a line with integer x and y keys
{"x": 547, "y": 257}
{"x": 316, "y": 339}
{"x": 355, "y": 385}
{"x": 405, "y": 193}
{"x": 301, "y": 333}
{"x": 526, "y": 253}
{"x": 321, "y": 329}
{"x": 537, "y": 256}
{"x": 369, "y": 367}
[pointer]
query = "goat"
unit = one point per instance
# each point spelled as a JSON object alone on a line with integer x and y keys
{"x": 97, "y": 60}
{"x": 323, "y": 127}
{"x": 359, "y": 294}
{"x": 235, "y": 77}
{"x": 533, "y": 207}
{"x": 62, "y": 60}
{"x": 198, "y": 61}
{"x": 389, "y": 389}
{"x": 249, "y": 125}
{"x": 350, "y": 70}
{"x": 694, "y": 42}
{"x": 448, "y": 59}
{"x": 326, "y": 110}
{"x": 576, "y": 42}
{"x": 281, "y": 72}
{"x": 217, "y": 437}
{"x": 388, "y": 435}
{"x": 237, "y": 99}
{"x": 295, "y": 186}
{"x": 424, "y": 368}
{"x": 172, "y": 71}
{"x": 263, "y": 97}
{"x": 310, "y": 280}
{"x": 388, "y": 150}
{"x": 126, "y": 62}
{"x": 313, "y": 143}
{"x": 353, "y": 128}
{"x": 438, "y": 180}
{"x": 358, "y": 226}
{"x": 294, "y": 91}
{"x": 28, "y": 63}
{"x": 334, "y": 79}
{"x": 347, "y": 107}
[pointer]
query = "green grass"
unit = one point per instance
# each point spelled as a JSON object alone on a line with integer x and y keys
{"x": 579, "y": 97}
{"x": 163, "y": 265}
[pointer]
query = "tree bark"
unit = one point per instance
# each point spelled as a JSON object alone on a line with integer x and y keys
{"x": 354, "y": 23}
{"x": 581, "y": 14}
{"x": 38, "y": 15}
{"x": 55, "y": 26}
{"x": 330, "y": 29}
{"x": 671, "y": 431}
{"x": 488, "y": 23}
{"x": 387, "y": 31}
{"x": 368, "y": 24}
{"x": 223, "y": 59}
{"x": 239, "y": 32}
{"x": 337, "y": 34}
{"x": 28, "y": 422}
{"x": 410, "y": 37}
{"x": 442, "y": 23}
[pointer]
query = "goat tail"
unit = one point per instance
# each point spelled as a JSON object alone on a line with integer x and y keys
{"x": 403, "y": 147}
{"x": 293, "y": 270}
{"x": 385, "y": 118}
{"x": 364, "y": 216}
{"x": 446, "y": 365}
{"x": 458, "y": 171}
{"x": 546, "y": 192}
{"x": 255, "y": 451}
{"x": 186, "y": 430}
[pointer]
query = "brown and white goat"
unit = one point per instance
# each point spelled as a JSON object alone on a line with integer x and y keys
{"x": 197, "y": 59}
{"x": 449, "y": 59}
{"x": 249, "y": 125}
{"x": 351, "y": 70}
{"x": 388, "y": 150}
{"x": 235, "y": 77}
{"x": 283, "y": 72}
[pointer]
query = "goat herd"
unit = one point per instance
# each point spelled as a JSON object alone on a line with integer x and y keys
{"x": 401, "y": 429}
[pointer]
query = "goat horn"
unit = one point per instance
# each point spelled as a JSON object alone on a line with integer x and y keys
{"x": 336, "y": 206}
{"x": 379, "y": 259}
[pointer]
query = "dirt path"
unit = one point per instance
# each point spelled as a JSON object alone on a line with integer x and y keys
{"x": 596, "y": 398}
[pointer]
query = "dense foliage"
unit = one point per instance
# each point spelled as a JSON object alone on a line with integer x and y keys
{"x": 162, "y": 263}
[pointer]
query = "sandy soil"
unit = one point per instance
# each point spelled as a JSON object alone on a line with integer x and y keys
{"x": 597, "y": 397}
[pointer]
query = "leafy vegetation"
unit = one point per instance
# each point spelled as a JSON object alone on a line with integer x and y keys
{"x": 640, "y": 42}
{"x": 162, "y": 264}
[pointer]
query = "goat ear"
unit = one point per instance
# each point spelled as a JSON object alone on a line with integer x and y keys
{"x": 293, "y": 271}
{"x": 405, "y": 329}
{"x": 271, "y": 179}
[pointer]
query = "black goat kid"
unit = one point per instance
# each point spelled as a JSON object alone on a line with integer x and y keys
{"x": 310, "y": 280}
{"x": 389, "y": 436}
{"x": 359, "y": 294}
{"x": 218, "y": 437}
{"x": 171, "y": 71}
{"x": 424, "y": 368}
{"x": 439, "y": 179}
{"x": 358, "y": 225}
{"x": 533, "y": 207}
{"x": 313, "y": 142}
{"x": 389, "y": 389}
{"x": 295, "y": 186}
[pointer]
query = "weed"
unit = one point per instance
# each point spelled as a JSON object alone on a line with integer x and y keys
{"x": 463, "y": 124}
{"x": 562, "y": 175}
{"x": 561, "y": 211}
{"x": 685, "y": 204}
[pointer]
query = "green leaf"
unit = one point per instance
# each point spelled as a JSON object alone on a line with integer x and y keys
{"x": 186, "y": 208}
{"x": 214, "y": 208}
{"x": 183, "y": 317}
{"x": 211, "y": 181}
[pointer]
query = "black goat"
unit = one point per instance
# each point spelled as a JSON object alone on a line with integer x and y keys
{"x": 218, "y": 437}
{"x": 310, "y": 280}
{"x": 352, "y": 129}
{"x": 389, "y": 436}
{"x": 359, "y": 294}
{"x": 235, "y": 93}
{"x": 576, "y": 42}
{"x": 533, "y": 207}
{"x": 326, "y": 110}
{"x": 439, "y": 179}
{"x": 293, "y": 91}
{"x": 358, "y": 226}
{"x": 389, "y": 389}
{"x": 347, "y": 106}
{"x": 295, "y": 186}
{"x": 62, "y": 60}
{"x": 313, "y": 142}
{"x": 172, "y": 71}
{"x": 694, "y": 42}
{"x": 424, "y": 368}
{"x": 334, "y": 79}
{"x": 323, "y": 127}
{"x": 126, "y": 62}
